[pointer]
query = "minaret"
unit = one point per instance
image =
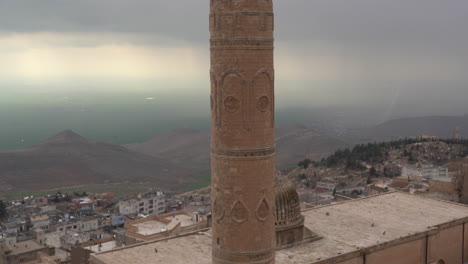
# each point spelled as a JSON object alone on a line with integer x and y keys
{"x": 242, "y": 129}
{"x": 457, "y": 134}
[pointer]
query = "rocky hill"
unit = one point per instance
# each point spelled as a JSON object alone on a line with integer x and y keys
{"x": 299, "y": 141}
{"x": 184, "y": 147}
{"x": 441, "y": 126}
{"x": 191, "y": 148}
{"x": 68, "y": 159}
{"x": 350, "y": 168}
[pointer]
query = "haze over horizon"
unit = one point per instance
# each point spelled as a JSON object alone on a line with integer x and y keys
{"x": 73, "y": 64}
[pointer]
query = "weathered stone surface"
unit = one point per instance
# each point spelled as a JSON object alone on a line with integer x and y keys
{"x": 243, "y": 151}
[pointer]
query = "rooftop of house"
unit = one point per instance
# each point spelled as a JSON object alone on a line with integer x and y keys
{"x": 345, "y": 227}
{"x": 22, "y": 247}
{"x": 155, "y": 226}
{"x": 13, "y": 222}
{"x": 38, "y": 218}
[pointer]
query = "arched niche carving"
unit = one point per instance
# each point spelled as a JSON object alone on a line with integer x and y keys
{"x": 262, "y": 99}
{"x": 231, "y": 99}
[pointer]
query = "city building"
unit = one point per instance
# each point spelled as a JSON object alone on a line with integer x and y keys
{"x": 152, "y": 203}
{"x": 14, "y": 225}
{"x": 155, "y": 227}
{"x": 40, "y": 222}
{"x": 84, "y": 204}
{"x": 79, "y": 225}
{"x": 24, "y": 252}
{"x": 385, "y": 229}
{"x": 427, "y": 172}
{"x": 325, "y": 187}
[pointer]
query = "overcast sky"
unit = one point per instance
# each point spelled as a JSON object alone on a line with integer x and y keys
{"x": 396, "y": 54}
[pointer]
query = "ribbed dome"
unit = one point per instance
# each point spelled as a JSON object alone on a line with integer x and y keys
{"x": 288, "y": 208}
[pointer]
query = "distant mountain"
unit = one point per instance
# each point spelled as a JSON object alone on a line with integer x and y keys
{"x": 65, "y": 137}
{"x": 442, "y": 126}
{"x": 68, "y": 159}
{"x": 294, "y": 143}
{"x": 187, "y": 147}
{"x": 191, "y": 148}
{"x": 170, "y": 160}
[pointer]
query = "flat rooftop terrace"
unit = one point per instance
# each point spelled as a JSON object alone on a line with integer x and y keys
{"x": 345, "y": 227}
{"x": 23, "y": 247}
{"x": 155, "y": 227}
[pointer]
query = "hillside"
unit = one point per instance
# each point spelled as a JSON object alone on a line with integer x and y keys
{"x": 351, "y": 168}
{"x": 442, "y": 126}
{"x": 68, "y": 159}
{"x": 191, "y": 148}
{"x": 185, "y": 147}
{"x": 299, "y": 141}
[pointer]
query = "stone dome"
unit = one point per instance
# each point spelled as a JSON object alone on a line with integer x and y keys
{"x": 288, "y": 208}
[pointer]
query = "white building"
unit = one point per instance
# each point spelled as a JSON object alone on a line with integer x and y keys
{"x": 40, "y": 222}
{"x": 149, "y": 204}
{"x": 84, "y": 225}
{"x": 428, "y": 172}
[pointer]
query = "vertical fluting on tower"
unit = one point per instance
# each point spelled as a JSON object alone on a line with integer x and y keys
{"x": 242, "y": 129}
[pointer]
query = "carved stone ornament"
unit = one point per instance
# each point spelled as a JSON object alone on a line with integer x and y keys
{"x": 263, "y": 210}
{"x": 232, "y": 104}
{"x": 239, "y": 212}
{"x": 218, "y": 210}
{"x": 263, "y": 103}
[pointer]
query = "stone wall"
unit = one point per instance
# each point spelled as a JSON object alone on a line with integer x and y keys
{"x": 408, "y": 253}
{"x": 448, "y": 244}
{"x": 444, "y": 187}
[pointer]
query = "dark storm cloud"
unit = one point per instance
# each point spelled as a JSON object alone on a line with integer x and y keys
{"x": 356, "y": 26}
{"x": 387, "y": 22}
{"x": 186, "y": 19}
{"x": 380, "y": 46}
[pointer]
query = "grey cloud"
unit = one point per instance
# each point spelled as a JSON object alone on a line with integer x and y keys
{"x": 359, "y": 21}
{"x": 177, "y": 19}
{"x": 354, "y": 30}
{"x": 357, "y": 26}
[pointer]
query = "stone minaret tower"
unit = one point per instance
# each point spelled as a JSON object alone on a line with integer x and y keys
{"x": 242, "y": 129}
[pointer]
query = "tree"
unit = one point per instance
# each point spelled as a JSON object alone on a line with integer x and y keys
{"x": 3, "y": 211}
{"x": 305, "y": 163}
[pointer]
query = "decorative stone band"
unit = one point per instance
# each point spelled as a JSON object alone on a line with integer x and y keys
{"x": 242, "y": 43}
{"x": 243, "y": 154}
{"x": 238, "y": 20}
{"x": 229, "y": 257}
{"x": 287, "y": 226}
{"x": 245, "y": 12}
